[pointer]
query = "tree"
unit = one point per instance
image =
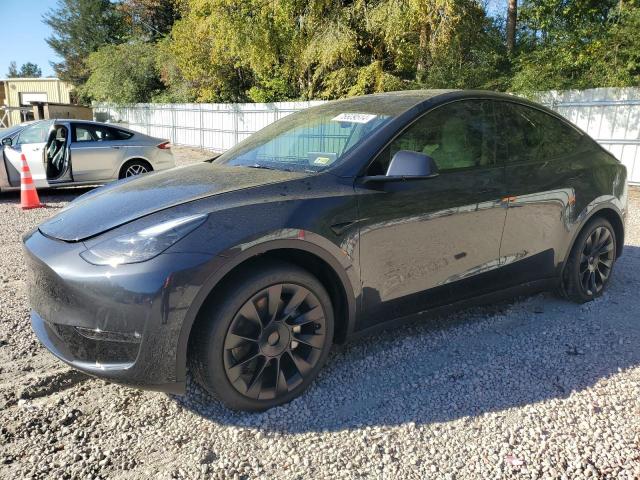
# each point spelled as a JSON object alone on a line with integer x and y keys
{"x": 124, "y": 73}
{"x": 224, "y": 50}
{"x": 13, "y": 70}
{"x": 30, "y": 70}
{"x": 80, "y": 27}
{"x": 151, "y": 19}
{"x": 512, "y": 16}
{"x": 27, "y": 70}
{"x": 578, "y": 44}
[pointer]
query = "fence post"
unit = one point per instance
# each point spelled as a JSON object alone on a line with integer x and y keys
{"x": 201, "y": 128}
{"x": 173, "y": 124}
{"x": 236, "y": 111}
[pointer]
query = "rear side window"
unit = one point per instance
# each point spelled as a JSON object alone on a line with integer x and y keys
{"x": 528, "y": 135}
{"x": 87, "y": 132}
{"x": 121, "y": 134}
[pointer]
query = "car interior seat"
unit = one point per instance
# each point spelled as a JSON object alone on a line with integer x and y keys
{"x": 56, "y": 153}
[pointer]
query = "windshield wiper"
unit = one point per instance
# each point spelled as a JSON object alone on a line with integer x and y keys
{"x": 266, "y": 167}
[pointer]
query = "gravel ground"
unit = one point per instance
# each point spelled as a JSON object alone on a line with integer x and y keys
{"x": 534, "y": 388}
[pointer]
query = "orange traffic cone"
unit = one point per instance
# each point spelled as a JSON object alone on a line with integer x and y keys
{"x": 28, "y": 194}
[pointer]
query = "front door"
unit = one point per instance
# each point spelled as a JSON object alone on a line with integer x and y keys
{"x": 424, "y": 242}
{"x": 30, "y": 142}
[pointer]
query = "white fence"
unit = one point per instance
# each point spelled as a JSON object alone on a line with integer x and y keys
{"x": 610, "y": 115}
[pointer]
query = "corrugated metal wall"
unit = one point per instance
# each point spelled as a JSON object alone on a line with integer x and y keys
{"x": 55, "y": 90}
{"x": 611, "y": 116}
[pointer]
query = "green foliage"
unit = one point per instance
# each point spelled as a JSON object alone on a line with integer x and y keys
{"x": 578, "y": 44}
{"x": 27, "y": 70}
{"x": 79, "y": 28}
{"x": 13, "y": 70}
{"x": 151, "y": 20}
{"x": 124, "y": 73}
{"x": 266, "y": 51}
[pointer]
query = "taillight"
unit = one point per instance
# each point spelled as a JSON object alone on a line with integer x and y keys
{"x": 165, "y": 145}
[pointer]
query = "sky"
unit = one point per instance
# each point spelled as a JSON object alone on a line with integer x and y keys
{"x": 22, "y": 35}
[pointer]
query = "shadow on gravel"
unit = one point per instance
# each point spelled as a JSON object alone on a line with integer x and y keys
{"x": 465, "y": 365}
{"x": 49, "y": 195}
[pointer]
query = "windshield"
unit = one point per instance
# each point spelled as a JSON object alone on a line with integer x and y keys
{"x": 310, "y": 140}
{"x": 8, "y": 132}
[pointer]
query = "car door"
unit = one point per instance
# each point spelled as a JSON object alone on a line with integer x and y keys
{"x": 96, "y": 152}
{"x": 543, "y": 160}
{"x": 31, "y": 142}
{"x": 425, "y": 242}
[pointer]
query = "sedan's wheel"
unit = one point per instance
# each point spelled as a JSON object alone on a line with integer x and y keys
{"x": 263, "y": 339}
{"x": 591, "y": 261}
{"x": 136, "y": 168}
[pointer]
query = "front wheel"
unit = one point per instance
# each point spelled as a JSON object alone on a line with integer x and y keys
{"x": 591, "y": 261}
{"x": 263, "y": 338}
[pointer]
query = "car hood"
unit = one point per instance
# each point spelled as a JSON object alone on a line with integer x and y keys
{"x": 119, "y": 203}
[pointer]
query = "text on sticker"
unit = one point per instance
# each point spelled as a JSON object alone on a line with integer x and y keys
{"x": 354, "y": 117}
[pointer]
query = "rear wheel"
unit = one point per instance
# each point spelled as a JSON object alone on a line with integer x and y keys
{"x": 264, "y": 337}
{"x": 591, "y": 261}
{"x": 135, "y": 167}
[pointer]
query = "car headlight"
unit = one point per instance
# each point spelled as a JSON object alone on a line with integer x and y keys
{"x": 144, "y": 244}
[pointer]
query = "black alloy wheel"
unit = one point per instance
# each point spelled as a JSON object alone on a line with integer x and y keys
{"x": 590, "y": 264}
{"x": 274, "y": 341}
{"x": 596, "y": 260}
{"x": 264, "y": 337}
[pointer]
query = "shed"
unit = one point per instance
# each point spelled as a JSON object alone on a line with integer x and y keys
{"x": 20, "y": 92}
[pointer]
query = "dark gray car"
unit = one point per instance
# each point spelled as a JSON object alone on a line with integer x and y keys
{"x": 328, "y": 224}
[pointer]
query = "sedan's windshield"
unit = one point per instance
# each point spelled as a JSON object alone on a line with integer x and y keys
{"x": 310, "y": 140}
{"x": 11, "y": 131}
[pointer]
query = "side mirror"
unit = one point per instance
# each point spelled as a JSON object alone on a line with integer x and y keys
{"x": 7, "y": 142}
{"x": 407, "y": 165}
{"x": 412, "y": 164}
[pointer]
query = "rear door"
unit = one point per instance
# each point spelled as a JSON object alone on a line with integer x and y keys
{"x": 543, "y": 161}
{"x": 96, "y": 152}
{"x": 30, "y": 142}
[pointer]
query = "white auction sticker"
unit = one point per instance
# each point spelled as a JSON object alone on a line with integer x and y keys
{"x": 354, "y": 117}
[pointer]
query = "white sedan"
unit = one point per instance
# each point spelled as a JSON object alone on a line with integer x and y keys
{"x": 79, "y": 152}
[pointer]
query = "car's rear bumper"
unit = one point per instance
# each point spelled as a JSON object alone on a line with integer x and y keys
{"x": 121, "y": 324}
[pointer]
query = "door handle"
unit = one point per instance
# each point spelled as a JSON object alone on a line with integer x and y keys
{"x": 116, "y": 147}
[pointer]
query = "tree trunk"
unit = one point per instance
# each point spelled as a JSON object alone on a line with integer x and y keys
{"x": 423, "y": 50}
{"x": 512, "y": 16}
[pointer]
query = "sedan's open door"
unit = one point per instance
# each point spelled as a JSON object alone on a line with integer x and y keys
{"x": 57, "y": 156}
{"x": 30, "y": 142}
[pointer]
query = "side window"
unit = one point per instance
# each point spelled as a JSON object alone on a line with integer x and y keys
{"x": 83, "y": 133}
{"x": 458, "y": 135}
{"x": 121, "y": 134}
{"x": 528, "y": 134}
{"x": 34, "y": 133}
{"x": 86, "y": 132}
{"x": 103, "y": 133}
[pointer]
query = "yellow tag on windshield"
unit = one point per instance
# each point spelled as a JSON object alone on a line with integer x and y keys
{"x": 321, "y": 161}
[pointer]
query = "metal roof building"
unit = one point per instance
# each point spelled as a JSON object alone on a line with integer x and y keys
{"x": 16, "y": 95}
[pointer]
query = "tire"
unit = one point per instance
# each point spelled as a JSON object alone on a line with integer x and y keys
{"x": 134, "y": 167}
{"x": 591, "y": 261}
{"x": 256, "y": 358}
